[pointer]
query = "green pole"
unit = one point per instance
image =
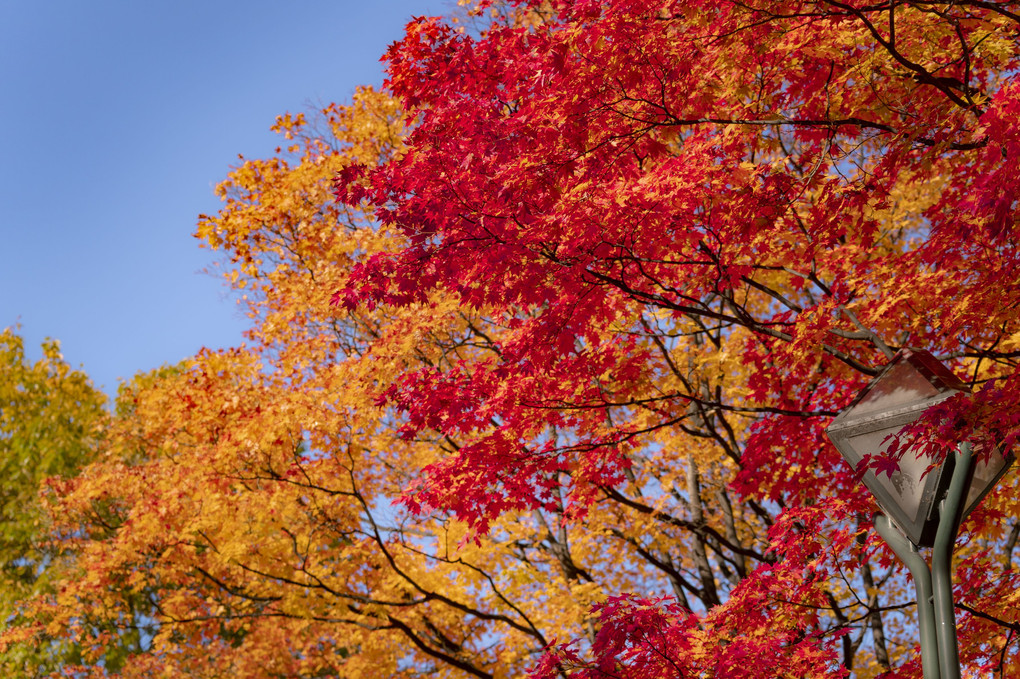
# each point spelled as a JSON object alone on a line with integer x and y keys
{"x": 942, "y": 564}
{"x": 907, "y": 552}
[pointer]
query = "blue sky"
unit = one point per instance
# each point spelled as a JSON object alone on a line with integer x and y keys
{"x": 117, "y": 119}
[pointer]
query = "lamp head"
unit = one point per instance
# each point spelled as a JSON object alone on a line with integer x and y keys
{"x": 912, "y": 382}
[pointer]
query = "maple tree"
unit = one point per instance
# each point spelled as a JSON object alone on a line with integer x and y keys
{"x": 702, "y": 226}
{"x": 599, "y": 276}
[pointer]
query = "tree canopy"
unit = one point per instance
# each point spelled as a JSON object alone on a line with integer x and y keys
{"x": 543, "y": 389}
{"x": 51, "y": 418}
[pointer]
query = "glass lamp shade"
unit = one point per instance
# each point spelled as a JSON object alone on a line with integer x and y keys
{"x": 911, "y": 383}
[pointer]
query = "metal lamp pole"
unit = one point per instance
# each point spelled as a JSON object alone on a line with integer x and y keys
{"x": 940, "y": 657}
{"x": 922, "y": 501}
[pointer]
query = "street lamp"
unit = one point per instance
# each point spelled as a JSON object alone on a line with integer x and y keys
{"x": 921, "y": 501}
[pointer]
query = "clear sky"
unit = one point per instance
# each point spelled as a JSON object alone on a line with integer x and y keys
{"x": 117, "y": 119}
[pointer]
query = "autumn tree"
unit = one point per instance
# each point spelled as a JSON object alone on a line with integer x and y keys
{"x": 702, "y": 227}
{"x": 599, "y": 276}
{"x": 240, "y": 512}
{"x": 51, "y": 418}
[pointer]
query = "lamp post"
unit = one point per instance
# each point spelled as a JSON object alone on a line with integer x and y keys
{"x": 922, "y": 505}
